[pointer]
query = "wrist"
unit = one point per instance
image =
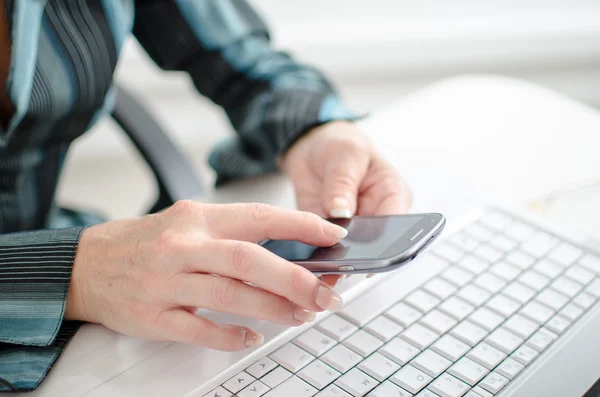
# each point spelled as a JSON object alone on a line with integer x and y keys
{"x": 75, "y": 305}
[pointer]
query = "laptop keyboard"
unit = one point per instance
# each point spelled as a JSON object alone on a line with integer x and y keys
{"x": 508, "y": 290}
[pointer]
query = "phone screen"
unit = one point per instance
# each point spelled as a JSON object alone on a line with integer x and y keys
{"x": 368, "y": 238}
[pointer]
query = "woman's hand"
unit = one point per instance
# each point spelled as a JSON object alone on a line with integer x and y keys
{"x": 337, "y": 173}
{"x": 144, "y": 277}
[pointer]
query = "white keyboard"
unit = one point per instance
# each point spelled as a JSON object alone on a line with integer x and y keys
{"x": 506, "y": 292}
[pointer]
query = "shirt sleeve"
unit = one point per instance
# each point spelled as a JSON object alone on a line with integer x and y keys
{"x": 224, "y": 45}
{"x": 35, "y": 271}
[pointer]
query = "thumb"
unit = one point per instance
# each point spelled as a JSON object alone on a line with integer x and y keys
{"x": 341, "y": 183}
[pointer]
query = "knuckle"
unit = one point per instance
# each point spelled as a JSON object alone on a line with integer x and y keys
{"x": 275, "y": 307}
{"x": 260, "y": 212}
{"x": 391, "y": 184}
{"x": 223, "y": 293}
{"x": 297, "y": 281}
{"x": 243, "y": 258}
{"x": 344, "y": 179}
{"x": 167, "y": 239}
{"x": 184, "y": 207}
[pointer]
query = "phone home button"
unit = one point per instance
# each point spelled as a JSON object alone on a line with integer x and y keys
{"x": 346, "y": 268}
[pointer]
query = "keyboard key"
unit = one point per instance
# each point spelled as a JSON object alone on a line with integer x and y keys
{"x": 486, "y": 355}
{"x": 448, "y": 386}
{"x": 291, "y": 357}
{"x": 275, "y": 377}
{"x": 411, "y": 379}
{"x": 572, "y": 311}
{"x": 594, "y": 288}
{"x": 469, "y": 333}
{"x": 440, "y": 288}
{"x": 399, "y": 351}
{"x": 479, "y": 232}
{"x": 520, "y": 259}
{"x": 496, "y": 221}
{"x": 541, "y": 339}
{"x": 456, "y": 307}
{"x": 580, "y": 274}
{"x": 256, "y": 389}
{"x": 567, "y": 286}
{"x": 457, "y": 276}
{"x": 474, "y": 264}
{"x": 261, "y": 367}
{"x": 449, "y": 252}
{"x": 438, "y": 321}
{"x": 489, "y": 282}
{"x": 318, "y": 374}
{"x": 315, "y": 342}
{"x": 494, "y": 382}
{"x": 388, "y": 389}
{"x": 565, "y": 254}
{"x": 341, "y": 358}
{"x": 548, "y": 268}
{"x": 356, "y": 382}
{"x": 537, "y": 312}
{"x": 489, "y": 253}
{"x": 504, "y": 340}
{"x": 519, "y": 231}
{"x": 534, "y": 279}
{"x": 509, "y": 368}
{"x": 332, "y": 391}
{"x": 293, "y": 387}
{"x": 473, "y": 294}
{"x": 525, "y": 355}
{"x": 218, "y": 392}
{"x": 521, "y": 326}
{"x": 336, "y": 327}
{"x": 431, "y": 363}
{"x": 552, "y": 298}
{"x": 468, "y": 371}
{"x": 450, "y": 347}
{"x": 464, "y": 241}
{"x": 503, "y": 243}
{"x": 378, "y": 366}
{"x": 427, "y": 393}
{"x": 558, "y": 324}
{"x": 482, "y": 392}
{"x": 359, "y": 313}
{"x": 540, "y": 244}
{"x": 422, "y": 300}
{"x": 584, "y": 300}
{"x": 486, "y": 318}
{"x": 404, "y": 314}
{"x": 519, "y": 292}
{"x": 591, "y": 262}
{"x": 505, "y": 270}
{"x": 383, "y": 328}
{"x": 238, "y": 382}
{"x": 503, "y": 305}
{"x": 363, "y": 343}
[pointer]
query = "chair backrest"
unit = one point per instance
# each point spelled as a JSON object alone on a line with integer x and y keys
{"x": 174, "y": 174}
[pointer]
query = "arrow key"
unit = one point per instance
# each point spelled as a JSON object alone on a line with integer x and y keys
{"x": 254, "y": 390}
{"x": 261, "y": 367}
{"x": 238, "y": 382}
{"x": 219, "y": 392}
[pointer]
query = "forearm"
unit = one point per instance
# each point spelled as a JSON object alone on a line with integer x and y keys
{"x": 35, "y": 271}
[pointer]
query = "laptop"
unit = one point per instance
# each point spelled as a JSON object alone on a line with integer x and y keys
{"x": 503, "y": 305}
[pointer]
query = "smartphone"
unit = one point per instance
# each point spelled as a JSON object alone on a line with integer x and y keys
{"x": 374, "y": 244}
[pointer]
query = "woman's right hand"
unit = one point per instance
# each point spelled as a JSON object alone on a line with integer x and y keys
{"x": 145, "y": 277}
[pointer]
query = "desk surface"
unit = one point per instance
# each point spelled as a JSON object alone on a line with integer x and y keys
{"x": 460, "y": 143}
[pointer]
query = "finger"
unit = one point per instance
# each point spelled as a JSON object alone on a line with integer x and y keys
{"x": 227, "y": 295}
{"x": 256, "y": 222}
{"x": 331, "y": 279}
{"x": 343, "y": 176}
{"x": 252, "y": 263}
{"x": 384, "y": 192}
{"x": 182, "y": 326}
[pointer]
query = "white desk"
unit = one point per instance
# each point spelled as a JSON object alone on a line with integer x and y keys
{"x": 460, "y": 143}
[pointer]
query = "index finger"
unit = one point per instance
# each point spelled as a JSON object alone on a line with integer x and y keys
{"x": 256, "y": 222}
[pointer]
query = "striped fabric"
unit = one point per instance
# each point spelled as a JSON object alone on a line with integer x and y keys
{"x": 63, "y": 56}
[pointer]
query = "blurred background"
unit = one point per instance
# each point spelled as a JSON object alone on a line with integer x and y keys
{"x": 375, "y": 51}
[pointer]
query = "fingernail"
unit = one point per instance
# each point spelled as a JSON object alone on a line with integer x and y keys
{"x": 370, "y": 275}
{"x": 253, "y": 339}
{"x": 335, "y": 231}
{"x": 340, "y": 208}
{"x": 303, "y": 315}
{"x": 328, "y": 300}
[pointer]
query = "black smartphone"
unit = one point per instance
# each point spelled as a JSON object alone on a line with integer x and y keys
{"x": 374, "y": 244}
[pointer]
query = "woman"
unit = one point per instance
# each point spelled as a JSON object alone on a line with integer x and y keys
{"x": 144, "y": 276}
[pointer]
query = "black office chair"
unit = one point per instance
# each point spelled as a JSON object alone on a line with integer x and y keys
{"x": 174, "y": 174}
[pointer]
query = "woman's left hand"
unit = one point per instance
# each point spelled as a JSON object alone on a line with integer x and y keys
{"x": 337, "y": 173}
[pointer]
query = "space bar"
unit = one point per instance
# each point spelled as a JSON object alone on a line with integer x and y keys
{"x": 554, "y": 378}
